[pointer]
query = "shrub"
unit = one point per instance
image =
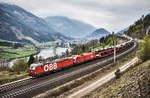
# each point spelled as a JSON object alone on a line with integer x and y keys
{"x": 149, "y": 66}
{"x": 117, "y": 73}
{"x": 20, "y": 65}
{"x": 144, "y": 53}
{"x": 54, "y": 93}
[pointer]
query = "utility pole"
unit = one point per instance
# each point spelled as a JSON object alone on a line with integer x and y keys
{"x": 114, "y": 47}
{"x": 114, "y": 54}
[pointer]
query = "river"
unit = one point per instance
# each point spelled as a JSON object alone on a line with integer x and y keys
{"x": 49, "y": 52}
{"x": 45, "y": 53}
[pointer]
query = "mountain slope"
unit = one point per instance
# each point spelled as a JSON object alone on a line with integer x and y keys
{"x": 16, "y": 24}
{"x": 98, "y": 33}
{"x": 27, "y": 18}
{"x": 69, "y": 27}
{"x": 140, "y": 28}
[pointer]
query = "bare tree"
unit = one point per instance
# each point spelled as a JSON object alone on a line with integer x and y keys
{"x": 55, "y": 50}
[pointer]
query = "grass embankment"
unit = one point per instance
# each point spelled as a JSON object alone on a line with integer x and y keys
{"x": 133, "y": 84}
{"x": 6, "y": 76}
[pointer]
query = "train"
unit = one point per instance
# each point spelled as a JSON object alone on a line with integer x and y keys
{"x": 42, "y": 68}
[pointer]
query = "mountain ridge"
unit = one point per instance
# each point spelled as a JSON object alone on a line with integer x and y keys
{"x": 69, "y": 26}
{"x": 98, "y": 33}
{"x": 24, "y": 26}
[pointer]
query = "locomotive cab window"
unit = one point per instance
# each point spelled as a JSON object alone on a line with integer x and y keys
{"x": 32, "y": 68}
{"x": 74, "y": 58}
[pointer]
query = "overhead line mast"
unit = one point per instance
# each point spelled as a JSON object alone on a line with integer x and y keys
{"x": 114, "y": 42}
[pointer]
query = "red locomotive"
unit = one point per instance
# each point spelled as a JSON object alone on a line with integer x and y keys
{"x": 43, "y": 68}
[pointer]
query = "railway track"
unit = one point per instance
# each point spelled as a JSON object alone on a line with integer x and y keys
{"x": 31, "y": 87}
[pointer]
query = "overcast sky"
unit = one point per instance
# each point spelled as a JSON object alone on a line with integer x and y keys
{"x": 113, "y": 15}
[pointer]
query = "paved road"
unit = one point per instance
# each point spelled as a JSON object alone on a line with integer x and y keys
{"x": 101, "y": 81}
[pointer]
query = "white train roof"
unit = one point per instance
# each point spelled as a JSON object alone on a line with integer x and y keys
{"x": 35, "y": 65}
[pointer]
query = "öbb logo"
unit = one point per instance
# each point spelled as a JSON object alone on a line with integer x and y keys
{"x": 49, "y": 67}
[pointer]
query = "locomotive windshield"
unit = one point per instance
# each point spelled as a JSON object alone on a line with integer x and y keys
{"x": 32, "y": 67}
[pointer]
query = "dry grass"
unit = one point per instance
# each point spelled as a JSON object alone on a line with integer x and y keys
{"x": 134, "y": 83}
{"x": 6, "y": 76}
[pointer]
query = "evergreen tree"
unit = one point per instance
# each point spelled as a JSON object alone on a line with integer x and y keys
{"x": 31, "y": 60}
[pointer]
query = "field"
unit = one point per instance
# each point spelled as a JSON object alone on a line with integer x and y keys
{"x": 9, "y": 51}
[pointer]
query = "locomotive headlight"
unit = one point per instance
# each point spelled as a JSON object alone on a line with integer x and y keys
{"x": 34, "y": 72}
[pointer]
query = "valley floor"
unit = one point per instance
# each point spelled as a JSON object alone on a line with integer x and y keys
{"x": 10, "y": 53}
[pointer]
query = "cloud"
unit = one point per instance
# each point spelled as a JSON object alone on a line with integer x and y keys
{"x": 113, "y": 15}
